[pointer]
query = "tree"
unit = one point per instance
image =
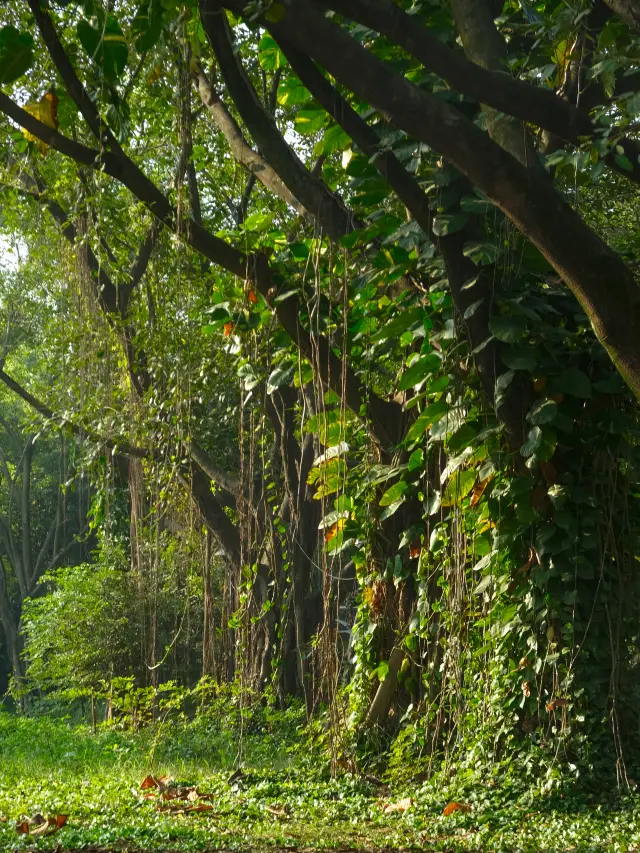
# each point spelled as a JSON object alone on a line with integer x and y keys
{"x": 387, "y": 280}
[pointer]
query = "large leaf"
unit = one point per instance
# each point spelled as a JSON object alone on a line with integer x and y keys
{"x": 269, "y": 54}
{"x": 426, "y": 418}
{"x": 520, "y": 358}
{"x": 106, "y": 45}
{"x": 399, "y": 324}
{"x": 419, "y": 370}
{"x": 147, "y": 25}
{"x": 458, "y": 487}
{"x": 16, "y": 54}
{"x": 574, "y": 382}
{"x": 394, "y": 493}
{"x": 509, "y": 329}
{"x": 449, "y": 223}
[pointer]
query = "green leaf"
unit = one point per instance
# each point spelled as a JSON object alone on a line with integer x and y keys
{"x": 543, "y": 412}
{"x": 258, "y": 221}
{"x": 433, "y": 502}
{"x": 520, "y": 358}
{"x": 291, "y": 92}
{"x": 419, "y": 370}
{"x": 426, "y": 418}
{"x": 334, "y": 139}
{"x": 105, "y": 45}
{"x": 448, "y": 424}
{"x": 509, "y": 329}
{"x": 478, "y": 206}
{"x": 400, "y": 323}
{"x": 448, "y": 223}
{"x": 484, "y": 584}
{"x": 416, "y": 460}
{"x": 481, "y": 253}
{"x": 461, "y": 438}
{"x": 309, "y": 121}
{"x": 270, "y": 56}
{"x": 394, "y": 493}
{"x": 623, "y": 161}
{"x": 391, "y": 509}
{"x": 147, "y": 26}
{"x": 282, "y": 375}
{"x": 16, "y": 54}
{"x": 459, "y": 487}
{"x": 574, "y": 382}
{"x": 533, "y": 442}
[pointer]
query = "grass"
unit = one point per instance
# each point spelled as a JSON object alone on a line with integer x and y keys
{"x": 52, "y": 767}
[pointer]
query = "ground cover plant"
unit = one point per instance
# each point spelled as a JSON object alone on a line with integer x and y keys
{"x": 285, "y": 796}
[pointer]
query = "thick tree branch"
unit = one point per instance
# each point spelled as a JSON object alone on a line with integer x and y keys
{"x": 365, "y": 137}
{"x": 323, "y": 205}
{"x": 496, "y": 89}
{"x": 225, "y": 481}
{"x": 242, "y": 152}
{"x": 214, "y": 516}
{"x": 117, "y": 446}
{"x": 603, "y": 284}
{"x": 73, "y": 85}
{"x": 627, "y": 10}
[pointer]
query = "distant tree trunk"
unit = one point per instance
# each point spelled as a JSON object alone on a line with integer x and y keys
{"x": 208, "y": 627}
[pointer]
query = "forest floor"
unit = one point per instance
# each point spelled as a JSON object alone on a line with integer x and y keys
{"x": 107, "y": 793}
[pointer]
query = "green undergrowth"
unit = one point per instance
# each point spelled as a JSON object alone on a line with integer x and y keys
{"x": 286, "y": 797}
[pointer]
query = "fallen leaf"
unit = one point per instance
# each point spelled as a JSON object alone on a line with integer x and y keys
{"x": 149, "y": 782}
{"x": 39, "y": 825}
{"x": 278, "y": 810}
{"x": 456, "y": 807}
{"x": 401, "y": 806}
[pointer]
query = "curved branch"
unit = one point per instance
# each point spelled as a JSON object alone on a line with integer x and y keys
{"x": 365, "y": 137}
{"x": 242, "y": 152}
{"x": 324, "y": 205}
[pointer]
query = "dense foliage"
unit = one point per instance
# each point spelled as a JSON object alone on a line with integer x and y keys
{"x": 324, "y": 321}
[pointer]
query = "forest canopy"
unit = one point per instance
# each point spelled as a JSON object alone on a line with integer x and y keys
{"x": 321, "y": 363}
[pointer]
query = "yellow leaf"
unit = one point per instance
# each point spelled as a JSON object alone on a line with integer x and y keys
{"x": 46, "y": 111}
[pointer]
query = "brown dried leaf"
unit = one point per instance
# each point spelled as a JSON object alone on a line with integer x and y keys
{"x": 533, "y": 557}
{"x": 455, "y": 807}
{"x": 401, "y": 806}
{"x": 38, "y": 825}
{"x": 200, "y": 807}
{"x": 478, "y": 491}
{"x": 559, "y": 702}
{"x": 278, "y": 810}
{"x": 150, "y": 782}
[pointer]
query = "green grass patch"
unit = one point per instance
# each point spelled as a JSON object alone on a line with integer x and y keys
{"x": 287, "y": 797}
